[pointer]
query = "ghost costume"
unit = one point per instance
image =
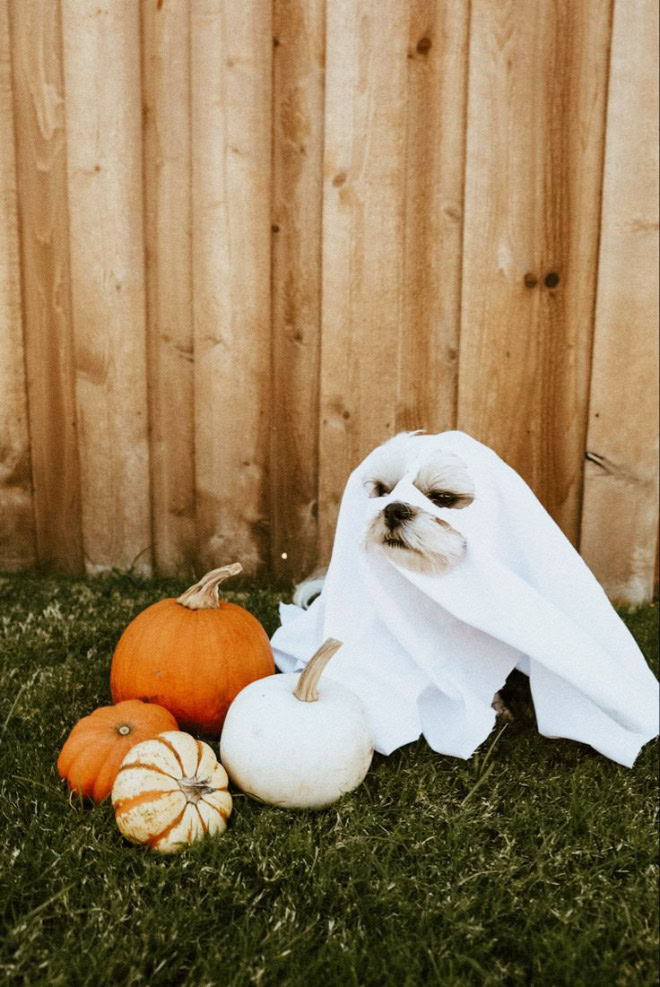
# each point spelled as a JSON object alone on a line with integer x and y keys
{"x": 427, "y": 652}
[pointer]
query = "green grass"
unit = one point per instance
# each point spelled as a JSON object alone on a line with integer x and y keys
{"x": 536, "y": 866}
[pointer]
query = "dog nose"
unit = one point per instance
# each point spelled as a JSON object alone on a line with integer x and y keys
{"x": 396, "y": 514}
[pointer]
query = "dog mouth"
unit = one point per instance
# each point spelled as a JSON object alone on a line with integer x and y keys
{"x": 393, "y": 542}
{"x": 394, "y": 535}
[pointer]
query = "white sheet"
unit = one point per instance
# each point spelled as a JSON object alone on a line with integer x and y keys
{"x": 426, "y": 653}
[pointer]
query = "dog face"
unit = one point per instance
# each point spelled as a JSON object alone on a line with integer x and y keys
{"x": 405, "y": 527}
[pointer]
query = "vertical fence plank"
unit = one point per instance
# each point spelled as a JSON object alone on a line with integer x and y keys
{"x": 364, "y": 165}
{"x": 620, "y": 511}
{"x": 168, "y": 231}
{"x": 16, "y": 515}
{"x": 435, "y": 165}
{"x": 298, "y": 75}
{"x": 231, "y": 120}
{"x": 101, "y": 40}
{"x": 538, "y": 75}
{"x": 44, "y": 223}
{"x": 264, "y": 385}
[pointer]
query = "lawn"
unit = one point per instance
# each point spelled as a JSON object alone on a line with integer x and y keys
{"x": 533, "y": 863}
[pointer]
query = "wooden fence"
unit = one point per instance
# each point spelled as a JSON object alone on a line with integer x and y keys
{"x": 244, "y": 241}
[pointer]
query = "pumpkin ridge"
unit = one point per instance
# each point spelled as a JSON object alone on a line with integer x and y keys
{"x": 174, "y": 751}
{"x": 86, "y": 723}
{"x": 83, "y": 762}
{"x": 182, "y": 626}
{"x": 94, "y": 728}
{"x": 136, "y": 640}
{"x": 201, "y": 819}
{"x": 125, "y": 805}
{"x": 217, "y": 808}
{"x": 211, "y": 634}
{"x": 65, "y": 759}
{"x": 97, "y": 719}
{"x": 107, "y": 772}
{"x": 246, "y": 631}
{"x": 155, "y": 840}
{"x": 147, "y": 767}
{"x": 125, "y": 647}
{"x": 200, "y": 755}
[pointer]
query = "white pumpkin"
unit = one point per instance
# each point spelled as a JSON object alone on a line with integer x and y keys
{"x": 171, "y": 791}
{"x": 291, "y": 741}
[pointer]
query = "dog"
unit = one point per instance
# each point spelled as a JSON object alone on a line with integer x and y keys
{"x": 409, "y": 532}
{"x": 414, "y": 537}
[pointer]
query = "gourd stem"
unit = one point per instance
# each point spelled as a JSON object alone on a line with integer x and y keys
{"x": 204, "y": 594}
{"x": 306, "y": 690}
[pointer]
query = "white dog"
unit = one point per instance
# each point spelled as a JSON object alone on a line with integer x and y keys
{"x": 414, "y": 537}
{"x": 447, "y": 575}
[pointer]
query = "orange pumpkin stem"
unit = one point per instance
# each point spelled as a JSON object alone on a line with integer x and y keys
{"x": 204, "y": 594}
{"x": 306, "y": 690}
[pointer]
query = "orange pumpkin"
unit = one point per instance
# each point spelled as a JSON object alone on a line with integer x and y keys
{"x": 93, "y": 751}
{"x": 192, "y": 655}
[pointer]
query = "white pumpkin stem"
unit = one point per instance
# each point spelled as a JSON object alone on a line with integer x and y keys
{"x": 204, "y": 594}
{"x": 306, "y": 690}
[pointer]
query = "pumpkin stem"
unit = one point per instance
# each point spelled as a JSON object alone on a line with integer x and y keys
{"x": 194, "y": 788}
{"x": 204, "y": 594}
{"x": 306, "y": 689}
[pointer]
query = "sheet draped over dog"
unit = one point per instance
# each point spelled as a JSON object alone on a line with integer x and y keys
{"x": 426, "y": 653}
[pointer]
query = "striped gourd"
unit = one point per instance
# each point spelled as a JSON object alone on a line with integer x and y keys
{"x": 171, "y": 791}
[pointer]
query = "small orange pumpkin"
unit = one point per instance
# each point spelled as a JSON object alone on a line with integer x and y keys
{"x": 192, "y": 655}
{"x": 96, "y": 746}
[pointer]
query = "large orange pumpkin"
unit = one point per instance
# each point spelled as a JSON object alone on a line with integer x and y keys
{"x": 96, "y": 746}
{"x": 192, "y": 655}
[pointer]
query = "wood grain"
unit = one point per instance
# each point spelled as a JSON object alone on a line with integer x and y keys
{"x": 534, "y": 158}
{"x": 168, "y": 241}
{"x": 363, "y": 217}
{"x": 253, "y": 240}
{"x": 231, "y": 139}
{"x": 620, "y": 510}
{"x": 433, "y": 229}
{"x": 44, "y": 226}
{"x": 17, "y": 546}
{"x": 298, "y": 81}
{"x": 101, "y": 41}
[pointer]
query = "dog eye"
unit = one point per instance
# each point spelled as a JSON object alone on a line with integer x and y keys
{"x": 442, "y": 498}
{"x": 378, "y": 489}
